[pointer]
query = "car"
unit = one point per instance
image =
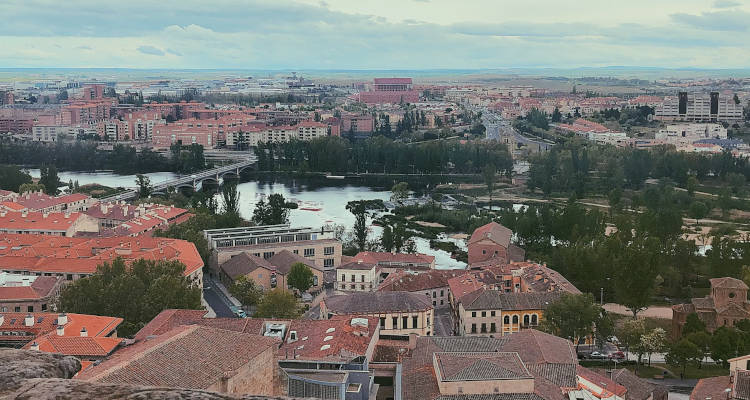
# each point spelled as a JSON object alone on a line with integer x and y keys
{"x": 597, "y": 355}
{"x": 617, "y": 355}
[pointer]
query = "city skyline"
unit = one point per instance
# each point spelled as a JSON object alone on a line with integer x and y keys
{"x": 336, "y": 35}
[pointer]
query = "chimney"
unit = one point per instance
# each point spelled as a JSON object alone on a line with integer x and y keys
{"x": 29, "y": 320}
{"x": 84, "y": 332}
{"x": 60, "y": 330}
{"x": 35, "y": 346}
{"x": 45, "y": 215}
{"x": 103, "y": 208}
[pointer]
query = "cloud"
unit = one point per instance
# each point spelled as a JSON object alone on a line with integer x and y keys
{"x": 174, "y": 52}
{"x": 150, "y": 50}
{"x": 735, "y": 20}
{"x": 726, "y": 4}
{"x": 84, "y": 47}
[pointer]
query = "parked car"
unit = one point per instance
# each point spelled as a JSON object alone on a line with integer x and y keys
{"x": 617, "y": 355}
{"x": 597, "y": 355}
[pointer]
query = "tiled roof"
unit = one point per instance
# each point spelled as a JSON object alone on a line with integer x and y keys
{"x": 340, "y": 338}
{"x": 601, "y": 380}
{"x": 741, "y": 388}
{"x": 703, "y": 302}
{"x": 168, "y": 319}
{"x": 356, "y": 266}
{"x": 706, "y": 388}
{"x": 494, "y": 232}
{"x": 383, "y": 257}
{"x": 484, "y": 299}
{"x": 243, "y": 264}
{"x": 728, "y": 283}
{"x": 537, "y": 347}
{"x": 496, "y": 396}
{"x": 41, "y": 253}
{"x": 40, "y": 288}
{"x": 641, "y": 389}
{"x": 405, "y": 281}
{"x": 46, "y": 324}
{"x": 194, "y": 357}
{"x": 480, "y": 366}
{"x": 376, "y": 302}
{"x": 77, "y": 345}
{"x": 37, "y": 221}
{"x": 284, "y": 260}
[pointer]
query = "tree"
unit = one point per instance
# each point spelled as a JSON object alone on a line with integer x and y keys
{"x": 231, "y": 200}
{"x": 360, "y": 223}
{"x": 136, "y": 292}
{"x": 144, "y": 186}
{"x": 49, "y": 179}
{"x": 698, "y": 210}
{"x": 726, "y": 344}
{"x": 682, "y": 354}
{"x": 399, "y": 191}
{"x": 692, "y": 184}
{"x": 654, "y": 342}
{"x": 572, "y": 316}
{"x": 490, "y": 176}
{"x": 630, "y": 333}
{"x": 11, "y": 178}
{"x": 637, "y": 266}
{"x": 300, "y": 277}
{"x": 693, "y": 324}
{"x": 278, "y": 210}
{"x": 386, "y": 239}
{"x": 246, "y": 291}
{"x": 261, "y": 213}
{"x": 702, "y": 340}
{"x": 556, "y": 115}
{"x": 278, "y": 303}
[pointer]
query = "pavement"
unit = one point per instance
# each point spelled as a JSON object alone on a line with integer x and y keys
{"x": 443, "y": 322}
{"x": 217, "y": 299}
{"x": 662, "y": 312}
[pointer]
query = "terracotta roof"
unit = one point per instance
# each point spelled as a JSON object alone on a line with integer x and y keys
{"x": 405, "y": 281}
{"x": 494, "y": 232}
{"x": 77, "y": 345}
{"x": 194, "y": 357}
{"x": 391, "y": 81}
{"x": 37, "y": 221}
{"x": 377, "y": 302}
{"x": 40, "y": 288}
{"x": 728, "y": 283}
{"x": 340, "y": 338}
{"x": 284, "y": 260}
{"x": 357, "y": 266}
{"x": 46, "y": 324}
{"x": 602, "y": 381}
{"x": 538, "y": 347}
{"x": 710, "y": 388}
{"x": 480, "y": 366}
{"x": 243, "y": 264}
{"x": 382, "y": 257}
{"x": 485, "y": 299}
{"x": 641, "y": 389}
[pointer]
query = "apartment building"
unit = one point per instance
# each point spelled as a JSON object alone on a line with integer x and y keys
{"x": 432, "y": 283}
{"x": 28, "y": 293}
{"x": 685, "y": 134}
{"x": 316, "y": 245}
{"x": 356, "y": 276}
{"x": 699, "y": 107}
{"x": 47, "y": 223}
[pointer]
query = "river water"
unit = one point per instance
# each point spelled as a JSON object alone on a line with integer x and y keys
{"x": 325, "y": 200}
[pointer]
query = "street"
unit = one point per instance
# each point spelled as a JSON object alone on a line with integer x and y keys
{"x": 443, "y": 322}
{"x": 216, "y": 299}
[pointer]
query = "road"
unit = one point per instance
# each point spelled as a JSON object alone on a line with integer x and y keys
{"x": 216, "y": 299}
{"x": 538, "y": 144}
{"x": 443, "y": 322}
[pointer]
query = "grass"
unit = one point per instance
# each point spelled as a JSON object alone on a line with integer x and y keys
{"x": 691, "y": 372}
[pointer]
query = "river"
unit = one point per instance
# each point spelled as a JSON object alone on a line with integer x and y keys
{"x": 326, "y": 198}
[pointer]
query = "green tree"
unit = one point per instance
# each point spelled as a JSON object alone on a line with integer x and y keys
{"x": 278, "y": 210}
{"x": 135, "y": 292}
{"x": 300, "y": 277}
{"x": 726, "y": 343}
{"x": 556, "y": 115}
{"x": 246, "y": 291}
{"x": 278, "y": 303}
{"x": 572, "y": 316}
{"x": 490, "y": 176}
{"x": 231, "y": 200}
{"x": 261, "y": 213}
{"x": 636, "y": 268}
{"x": 693, "y": 324}
{"x": 360, "y": 223}
{"x": 30, "y": 187}
{"x": 49, "y": 179}
{"x": 654, "y": 342}
{"x": 144, "y": 186}
{"x": 692, "y": 184}
{"x": 682, "y": 354}
{"x": 11, "y": 178}
{"x": 629, "y": 334}
{"x": 702, "y": 340}
{"x": 386, "y": 239}
{"x": 399, "y": 191}
{"x": 698, "y": 210}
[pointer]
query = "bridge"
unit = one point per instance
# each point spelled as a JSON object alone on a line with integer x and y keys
{"x": 190, "y": 181}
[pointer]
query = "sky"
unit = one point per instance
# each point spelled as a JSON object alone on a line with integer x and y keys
{"x": 374, "y": 34}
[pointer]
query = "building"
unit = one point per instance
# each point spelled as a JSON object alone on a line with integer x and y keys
{"x": 65, "y": 224}
{"x": 356, "y": 276}
{"x": 74, "y": 258}
{"x": 528, "y": 365}
{"x": 432, "y": 283}
{"x": 698, "y": 107}
{"x": 399, "y": 313}
{"x": 684, "y": 134}
{"x": 268, "y": 273}
{"x": 42, "y": 202}
{"x": 492, "y": 241}
{"x": 357, "y": 123}
{"x": 734, "y": 386}
{"x": 194, "y": 357}
{"x": 390, "y": 90}
{"x": 29, "y": 329}
{"x": 317, "y": 245}
{"x": 28, "y": 293}
{"x": 726, "y": 305}
{"x": 388, "y": 263}
{"x": 495, "y": 313}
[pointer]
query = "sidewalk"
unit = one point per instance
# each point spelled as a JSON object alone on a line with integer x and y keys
{"x": 224, "y": 292}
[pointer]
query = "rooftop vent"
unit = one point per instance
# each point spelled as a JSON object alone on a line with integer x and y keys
{"x": 327, "y": 338}
{"x": 329, "y": 330}
{"x": 325, "y": 347}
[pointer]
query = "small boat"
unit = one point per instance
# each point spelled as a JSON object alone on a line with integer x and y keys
{"x": 310, "y": 209}
{"x": 335, "y": 177}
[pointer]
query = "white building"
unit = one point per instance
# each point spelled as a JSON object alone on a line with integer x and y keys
{"x": 689, "y": 133}
{"x": 699, "y": 108}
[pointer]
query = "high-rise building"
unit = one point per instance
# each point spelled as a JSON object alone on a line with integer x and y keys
{"x": 697, "y": 107}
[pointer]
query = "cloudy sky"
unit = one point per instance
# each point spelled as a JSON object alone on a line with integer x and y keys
{"x": 374, "y": 34}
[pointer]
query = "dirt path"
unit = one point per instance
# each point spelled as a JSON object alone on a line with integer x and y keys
{"x": 662, "y": 312}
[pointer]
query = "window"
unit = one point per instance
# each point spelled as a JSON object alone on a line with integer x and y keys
{"x": 442, "y": 293}
{"x": 441, "y": 302}
{"x": 315, "y": 280}
{"x": 362, "y": 287}
{"x": 44, "y": 307}
{"x": 473, "y": 328}
{"x": 343, "y": 278}
{"x": 296, "y": 251}
{"x": 526, "y": 319}
{"x": 414, "y": 322}
{"x": 268, "y": 254}
{"x": 484, "y": 328}
{"x": 484, "y": 251}
{"x": 492, "y": 327}
{"x": 394, "y": 322}
{"x": 473, "y": 314}
{"x": 382, "y": 322}
{"x": 17, "y": 309}
{"x": 328, "y": 263}
{"x": 434, "y": 295}
{"x": 534, "y": 319}
{"x": 492, "y": 313}
{"x": 354, "y": 279}
{"x": 484, "y": 314}
{"x": 69, "y": 277}
{"x": 30, "y": 308}
{"x": 310, "y": 252}
{"x": 515, "y": 319}
{"x": 434, "y": 303}
{"x": 428, "y": 321}
{"x": 404, "y": 322}
{"x": 327, "y": 251}
{"x": 361, "y": 278}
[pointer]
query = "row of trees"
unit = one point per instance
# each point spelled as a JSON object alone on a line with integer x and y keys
{"x": 381, "y": 155}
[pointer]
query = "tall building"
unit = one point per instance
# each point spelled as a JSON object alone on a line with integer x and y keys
{"x": 390, "y": 90}
{"x": 698, "y": 107}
